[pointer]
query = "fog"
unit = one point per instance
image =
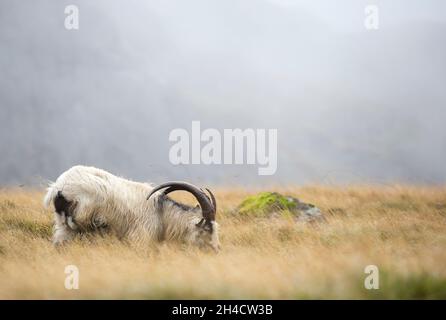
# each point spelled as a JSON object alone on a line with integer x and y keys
{"x": 351, "y": 105}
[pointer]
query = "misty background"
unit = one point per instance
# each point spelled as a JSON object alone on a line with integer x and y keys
{"x": 351, "y": 105}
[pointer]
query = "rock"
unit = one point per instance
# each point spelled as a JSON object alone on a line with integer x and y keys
{"x": 267, "y": 204}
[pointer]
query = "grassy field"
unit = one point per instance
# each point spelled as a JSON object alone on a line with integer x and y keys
{"x": 400, "y": 229}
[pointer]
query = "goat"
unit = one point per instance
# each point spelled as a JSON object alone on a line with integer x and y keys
{"x": 90, "y": 199}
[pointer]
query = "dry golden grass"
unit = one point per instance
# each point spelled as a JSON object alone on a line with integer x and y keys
{"x": 400, "y": 229}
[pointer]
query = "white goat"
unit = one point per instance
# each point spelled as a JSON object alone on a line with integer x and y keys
{"x": 90, "y": 199}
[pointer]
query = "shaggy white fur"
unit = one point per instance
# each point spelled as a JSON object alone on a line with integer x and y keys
{"x": 101, "y": 199}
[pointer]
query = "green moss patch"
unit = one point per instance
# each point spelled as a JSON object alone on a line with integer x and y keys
{"x": 265, "y": 203}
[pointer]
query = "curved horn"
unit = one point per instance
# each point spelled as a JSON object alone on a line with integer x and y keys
{"x": 214, "y": 202}
{"x": 207, "y": 208}
{"x": 212, "y": 198}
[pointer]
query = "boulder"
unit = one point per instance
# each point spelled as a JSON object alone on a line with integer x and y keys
{"x": 270, "y": 204}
